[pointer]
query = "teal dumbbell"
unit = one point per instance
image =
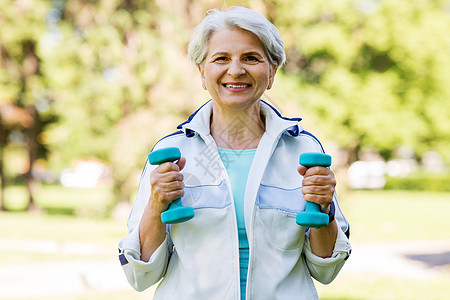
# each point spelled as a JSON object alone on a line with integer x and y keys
{"x": 312, "y": 216}
{"x": 176, "y": 213}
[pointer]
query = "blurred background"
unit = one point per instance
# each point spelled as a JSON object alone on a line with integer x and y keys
{"x": 88, "y": 87}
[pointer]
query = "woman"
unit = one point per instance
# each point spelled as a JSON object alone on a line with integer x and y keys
{"x": 243, "y": 242}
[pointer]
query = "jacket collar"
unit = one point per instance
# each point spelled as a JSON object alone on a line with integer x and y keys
{"x": 199, "y": 121}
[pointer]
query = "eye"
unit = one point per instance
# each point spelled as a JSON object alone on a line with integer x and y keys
{"x": 220, "y": 59}
{"x": 252, "y": 59}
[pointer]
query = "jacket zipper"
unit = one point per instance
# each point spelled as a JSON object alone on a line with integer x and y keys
{"x": 273, "y": 143}
{"x": 209, "y": 141}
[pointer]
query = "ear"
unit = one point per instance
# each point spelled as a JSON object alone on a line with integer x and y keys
{"x": 273, "y": 71}
{"x": 201, "y": 69}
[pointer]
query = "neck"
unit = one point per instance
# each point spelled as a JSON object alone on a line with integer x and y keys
{"x": 237, "y": 128}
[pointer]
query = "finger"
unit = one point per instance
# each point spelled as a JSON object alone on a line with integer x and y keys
{"x": 159, "y": 178}
{"x": 318, "y": 190}
{"x": 172, "y": 186}
{"x": 181, "y": 163}
{"x": 317, "y": 170}
{"x": 160, "y": 182}
{"x": 319, "y": 180}
{"x": 170, "y": 196}
{"x": 167, "y": 167}
{"x": 322, "y": 200}
{"x": 170, "y": 176}
{"x": 302, "y": 170}
{"x": 165, "y": 198}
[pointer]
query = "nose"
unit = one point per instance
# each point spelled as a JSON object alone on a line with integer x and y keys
{"x": 235, "y": 68}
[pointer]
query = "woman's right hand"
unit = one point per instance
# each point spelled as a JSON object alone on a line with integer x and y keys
{"x": 166, "y": 184}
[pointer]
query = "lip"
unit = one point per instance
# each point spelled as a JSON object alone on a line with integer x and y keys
{"x": 236, "y": 86}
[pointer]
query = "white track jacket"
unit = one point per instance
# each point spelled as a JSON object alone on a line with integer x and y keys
{"x": 199, "y": 259}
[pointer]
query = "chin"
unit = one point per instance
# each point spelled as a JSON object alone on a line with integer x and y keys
{"x": 237, "y": 102}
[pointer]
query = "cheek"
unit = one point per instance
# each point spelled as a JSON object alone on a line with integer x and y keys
{"x": 264, "y": 79}
{"x": 213, "y": 72}
{"x": 264, "y": 75}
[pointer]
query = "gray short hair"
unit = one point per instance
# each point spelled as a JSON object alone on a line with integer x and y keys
{"x": 240, "y": 17}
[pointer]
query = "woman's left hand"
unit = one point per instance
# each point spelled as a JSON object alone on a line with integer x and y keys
{"x": 318, "y": 185}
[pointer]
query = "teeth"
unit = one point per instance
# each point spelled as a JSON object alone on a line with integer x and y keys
{"x": 236, "y": 86}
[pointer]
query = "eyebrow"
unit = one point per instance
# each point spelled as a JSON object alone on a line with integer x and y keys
{"x": 245, "y": 53}
{"x": 253, "y": 53}
{"x": 219, "y": 53}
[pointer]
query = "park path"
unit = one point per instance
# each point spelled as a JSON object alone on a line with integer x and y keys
{"x": 415, "y": 259}
{"x": 62, "y": 276}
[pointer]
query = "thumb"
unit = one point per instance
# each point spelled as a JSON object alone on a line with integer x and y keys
{"x": 181, "y": 162}
{"x": 302, "y": 170}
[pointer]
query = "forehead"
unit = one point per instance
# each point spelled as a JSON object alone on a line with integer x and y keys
{"x": 234, "y": 40}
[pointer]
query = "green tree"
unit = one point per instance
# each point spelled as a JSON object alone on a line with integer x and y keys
{"x": 373, "y": 74}
{"x": 370, "y": 74}
{"x": 121, "y": 81}
{"x": 23, "y": 88}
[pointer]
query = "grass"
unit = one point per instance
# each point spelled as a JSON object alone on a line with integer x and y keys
{"x": 386, "y": 216}
{"x": 370, "y": 288}
{"x": 36, "y": 226}
{"x": 64, "y": 215}
{"x": 77, "y": 215}
{"x": 56, "y": 199}
{"x": 117, "y": 295}
{"x": 396, "y": 215}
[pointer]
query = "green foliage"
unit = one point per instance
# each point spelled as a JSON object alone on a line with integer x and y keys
{"x": 371, "y": 73}
{"x": 420, "y": 182}
{"x": 25, "y": 99}
{"x": 122, "y": 80}
{"x": 365, "y": 73}
{"x": 21, "y": 25}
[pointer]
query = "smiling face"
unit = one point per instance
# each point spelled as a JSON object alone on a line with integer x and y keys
{"x": 236, "y": 71}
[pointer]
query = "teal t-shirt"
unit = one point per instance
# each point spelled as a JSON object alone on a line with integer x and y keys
{"x": 237, "y": 164}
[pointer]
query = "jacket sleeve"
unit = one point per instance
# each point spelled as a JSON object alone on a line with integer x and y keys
{"x": 140, "y": 274}
{"x": 325, "y": 270}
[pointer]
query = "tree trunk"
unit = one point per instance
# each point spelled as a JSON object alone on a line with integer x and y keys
{"x": 2, "y": 174}
{"x": 31, "y": 68}
{"x": 2, "y": 181}
{"x": 32, "y": 148}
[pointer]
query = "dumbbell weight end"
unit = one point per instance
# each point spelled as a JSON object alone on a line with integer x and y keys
{"x": 177, "y": 213}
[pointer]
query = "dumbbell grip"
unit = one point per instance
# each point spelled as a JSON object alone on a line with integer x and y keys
{"x": 175, "y": 212}
{"x": 174, "y": 203}
{"x": 309, "y": 160}
{"x": 313, "y": 207}
{"x": 313, "y": 216}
